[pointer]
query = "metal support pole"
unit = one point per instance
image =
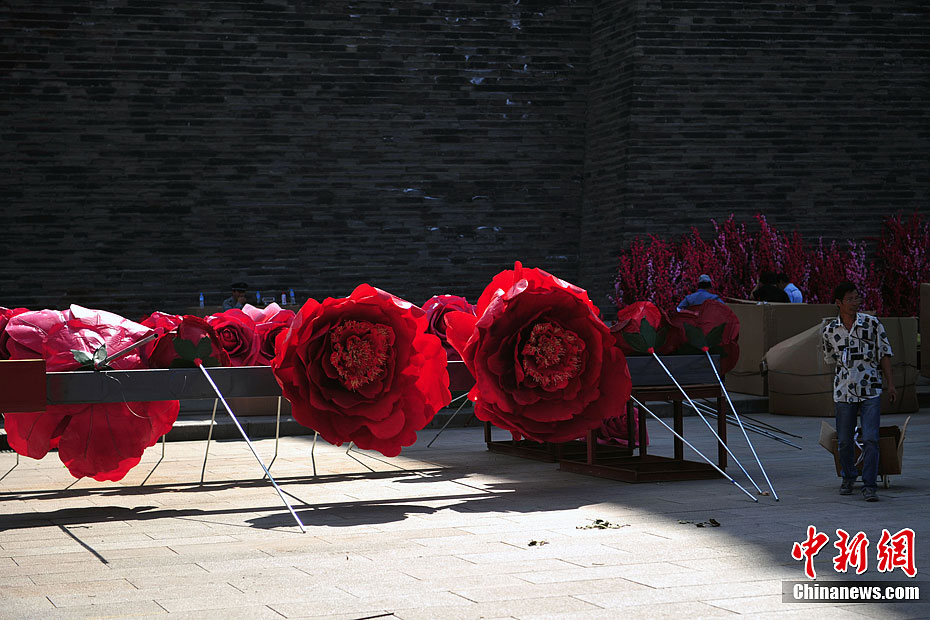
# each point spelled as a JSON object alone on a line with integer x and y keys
{"x": 745, "y": 434}
{"x": 209, "y": 437}
{"x": 252, "y": 448}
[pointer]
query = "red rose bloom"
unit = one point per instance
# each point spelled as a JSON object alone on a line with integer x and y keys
{"x": 269, "y": 323}
{"x": 105, "y": 440}
{"x": 436, "y": 309}
{"x": 5, "y": 315}
{"x": 236, "y": 331}
{"x": 545, "y": 366}
{"x": 714, "y": 325}
{"x": 165, "y": 352}
{"x": 629, "y": 323}
{"x": 362, "y": 368}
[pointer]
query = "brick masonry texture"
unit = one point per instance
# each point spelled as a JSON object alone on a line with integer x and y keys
{"x": 151, "y": 151}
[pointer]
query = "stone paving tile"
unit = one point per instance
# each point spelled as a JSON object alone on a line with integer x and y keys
{"x": 541, "y": 590}
{"x": 497, "y": 609}
{"x": 124, "y": 609}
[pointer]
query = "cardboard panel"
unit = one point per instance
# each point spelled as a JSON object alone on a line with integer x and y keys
{"x": 890, "y": 447}
{"x": 925, "y": 329}
{"x": 762, "y": 326}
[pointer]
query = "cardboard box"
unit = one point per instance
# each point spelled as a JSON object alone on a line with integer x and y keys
{"x": 762, "y": 326}
{"x": 890, "y": 447}
{"x": 801, "y": 383}
{"x": 925, "y": 329}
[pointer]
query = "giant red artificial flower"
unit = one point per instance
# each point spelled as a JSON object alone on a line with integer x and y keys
{"x": 236, "y": 331}
{"x": 437, "y": 307}
{"x": 545, "y": 366}
{"x": 268, "y": 324}
{"x": 710, "y": 326}
{"x": 103, "y": 441}
{"x": 362, "y": 368}
{"x": 642, "y": 326}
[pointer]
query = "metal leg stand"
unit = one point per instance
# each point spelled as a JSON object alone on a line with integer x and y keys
{"x": 449, "y": 421}
{"x": 209, "y": 437}
{"x": 277, "y": 434}
{"x": 163, "y": 442}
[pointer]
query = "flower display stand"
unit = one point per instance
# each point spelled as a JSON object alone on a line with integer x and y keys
{"x": 650, "y": 384}
{"x": 645, "y": 467}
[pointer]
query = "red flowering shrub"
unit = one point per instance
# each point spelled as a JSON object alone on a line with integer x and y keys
{"x": 104, "y": 440}
{"x": 545, "y": 366}
{"x": 236, "y": 330}
{"x": 735, "y": 257}
{"x": 904, "y": 254}
{"x": 362, "y": 368}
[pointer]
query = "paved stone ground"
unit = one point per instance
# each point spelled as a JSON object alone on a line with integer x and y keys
{"x": 442, "y": 533}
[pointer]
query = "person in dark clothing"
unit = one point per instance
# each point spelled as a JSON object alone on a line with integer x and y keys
{"x": 768, "y": 290}
{"x": 237, "y": 299}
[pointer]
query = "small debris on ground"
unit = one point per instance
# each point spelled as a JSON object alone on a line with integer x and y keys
{"x": 601, "y": 524}
{"x": 538, "y": 543}
{"x": 709, "y": 523}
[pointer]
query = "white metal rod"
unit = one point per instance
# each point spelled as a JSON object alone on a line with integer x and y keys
{"x": 252, "y": 448}
{"x": 745, "y": 434}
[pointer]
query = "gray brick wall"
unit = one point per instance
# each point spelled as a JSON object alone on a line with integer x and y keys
{"x": 153, "y": 150}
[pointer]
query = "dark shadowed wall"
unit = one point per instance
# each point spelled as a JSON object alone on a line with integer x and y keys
{"x": 154, "y": 150}
{"x": 816, "y": 115}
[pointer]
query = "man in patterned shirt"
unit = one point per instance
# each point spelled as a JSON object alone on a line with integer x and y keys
{"x": 856, "y": 343}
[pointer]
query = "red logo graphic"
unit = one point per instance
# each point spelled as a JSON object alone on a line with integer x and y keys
{"x": 852, "y": 551}
{"x": 809, "y": 548}
{"x": 897, "y": 551}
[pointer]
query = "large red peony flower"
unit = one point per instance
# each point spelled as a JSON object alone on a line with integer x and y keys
{"x": 710, "y": 326}
{"x": 269, "y": 323}
{"x": 545, "y": 366}
{"x": 642, "y": 326}
{"x": 103, "y": 441}
{"x": 362, "y": 368}
{"x": 192, "y": 339}
{"x": 236, "y": 331}
{"x": 437, "y": 307}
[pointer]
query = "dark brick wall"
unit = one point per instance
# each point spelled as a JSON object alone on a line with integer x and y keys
{"x": 153, "y": 150}
{"x": 814, "y": 114}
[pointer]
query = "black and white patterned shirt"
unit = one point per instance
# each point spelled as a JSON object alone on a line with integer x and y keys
{"x": 857, "y": 354}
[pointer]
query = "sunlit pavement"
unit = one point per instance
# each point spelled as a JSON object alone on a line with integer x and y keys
{"x": 447, "y": 532}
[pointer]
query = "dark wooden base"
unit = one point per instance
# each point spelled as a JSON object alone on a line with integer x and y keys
{"x": 554, "y": 452}
{"x": 650, "y": 468}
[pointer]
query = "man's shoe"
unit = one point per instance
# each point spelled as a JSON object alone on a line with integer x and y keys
{"x": 846, "y": 487}
{"x": 869, "y": 494}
